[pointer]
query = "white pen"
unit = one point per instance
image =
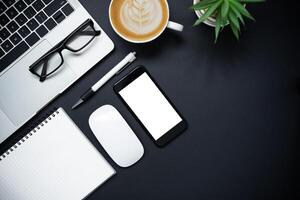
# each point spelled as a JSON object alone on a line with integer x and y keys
{"x": 114, "y": 71}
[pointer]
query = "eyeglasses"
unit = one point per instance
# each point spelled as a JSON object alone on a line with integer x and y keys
{"x": 75, "y": 42}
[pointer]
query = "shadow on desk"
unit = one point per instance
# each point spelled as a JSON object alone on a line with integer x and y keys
{"x": 169, "y": 39}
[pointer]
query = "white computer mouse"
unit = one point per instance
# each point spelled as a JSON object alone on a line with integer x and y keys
{"x": 116, "y": 136}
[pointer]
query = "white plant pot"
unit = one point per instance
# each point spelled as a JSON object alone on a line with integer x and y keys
{"x": 210, "y": 20}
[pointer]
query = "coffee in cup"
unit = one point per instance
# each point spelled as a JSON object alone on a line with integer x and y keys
{"x": 140, "y": 21}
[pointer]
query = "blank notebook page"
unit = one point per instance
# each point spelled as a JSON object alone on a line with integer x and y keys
{"x": 55, "y": 162}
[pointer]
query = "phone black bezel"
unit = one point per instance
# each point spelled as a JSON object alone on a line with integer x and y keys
{"x": 129, "y": 78}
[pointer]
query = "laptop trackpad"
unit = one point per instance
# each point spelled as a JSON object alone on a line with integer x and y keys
{"x": 22, "y": 94}
{"x": 6, "y": 126}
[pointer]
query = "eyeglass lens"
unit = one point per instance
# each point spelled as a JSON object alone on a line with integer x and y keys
{"x": 49, "y": 65}
{"x": 81, "y": 39}
{"x": 76, "y": 43}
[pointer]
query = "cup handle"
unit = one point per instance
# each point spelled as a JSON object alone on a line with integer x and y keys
{"x": 175, "y": 26}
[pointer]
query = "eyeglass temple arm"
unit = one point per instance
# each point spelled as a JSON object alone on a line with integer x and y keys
{"x": 90, "y": 33}
{"x": 44, "y": 71}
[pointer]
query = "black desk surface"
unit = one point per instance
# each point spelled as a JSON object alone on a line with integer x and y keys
{"x": 239, "y": 98}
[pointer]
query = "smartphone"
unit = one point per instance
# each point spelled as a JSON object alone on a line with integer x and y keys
{"x": 150, "y": 106}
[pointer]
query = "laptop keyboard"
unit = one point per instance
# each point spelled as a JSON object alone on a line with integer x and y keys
{"x": 24, "y": 22}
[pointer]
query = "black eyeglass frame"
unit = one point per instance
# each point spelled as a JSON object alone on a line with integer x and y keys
{"x": 60, "y": 47}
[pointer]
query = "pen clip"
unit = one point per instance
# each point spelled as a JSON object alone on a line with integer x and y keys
{"x": 123, "y": 68}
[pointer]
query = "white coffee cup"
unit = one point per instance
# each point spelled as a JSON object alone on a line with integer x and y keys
{"x": 168, "y": 24}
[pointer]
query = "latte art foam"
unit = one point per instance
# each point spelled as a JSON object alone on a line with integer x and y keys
{"x": 141, "y": 16}
{"x": 139, "y": 20}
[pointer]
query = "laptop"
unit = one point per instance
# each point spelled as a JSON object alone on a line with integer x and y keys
{"x": 29, "y": 29}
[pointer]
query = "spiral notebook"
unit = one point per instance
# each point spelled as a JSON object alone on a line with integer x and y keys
{"x": 54, "y": 161}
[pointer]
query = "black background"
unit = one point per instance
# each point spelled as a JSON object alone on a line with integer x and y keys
{"x": 239, "y": 98}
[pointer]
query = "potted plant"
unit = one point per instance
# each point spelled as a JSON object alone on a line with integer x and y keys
{"x": 220, "y": 13}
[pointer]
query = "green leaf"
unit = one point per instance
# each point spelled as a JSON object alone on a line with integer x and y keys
{"x": 238, "y": 14}
{"x": 233, "y": 19}
{"x": 218, "y": 26}
{"x": 203, "y": 4}
{"x": 251, "y": 1}
{"x": 208, "y": 13}
{"x": 224, "y": 8}
{"x": 235, "y": 31}
{"x": 241, "y": 9}
{"x": 224, "y": 21}
{"x": 201, "y": 7}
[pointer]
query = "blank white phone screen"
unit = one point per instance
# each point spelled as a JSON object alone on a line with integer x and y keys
{"x": 150, "y": 106}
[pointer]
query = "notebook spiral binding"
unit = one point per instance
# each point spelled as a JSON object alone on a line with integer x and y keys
{"x": 34, "y": 129}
